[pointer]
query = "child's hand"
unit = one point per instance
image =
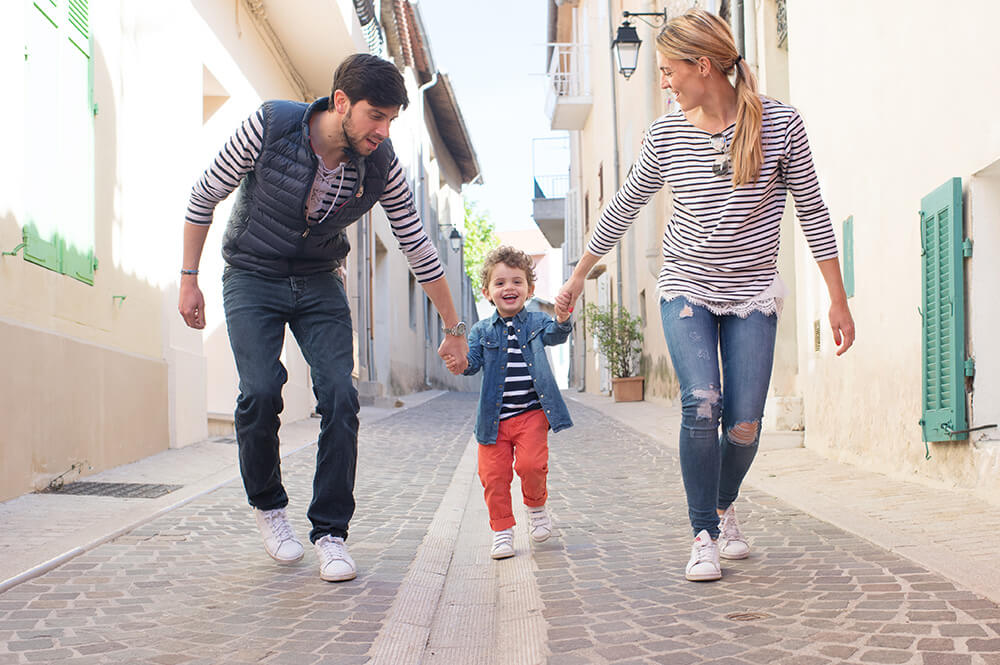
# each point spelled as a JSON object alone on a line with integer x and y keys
{"x": 561, "y": 312}
{"x": 451, "y": 362}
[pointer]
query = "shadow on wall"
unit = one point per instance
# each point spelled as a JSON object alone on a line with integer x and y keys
{"x": 85, "y": 383}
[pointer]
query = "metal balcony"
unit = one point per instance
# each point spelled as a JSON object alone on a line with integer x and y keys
{"x": 569, "y": 100}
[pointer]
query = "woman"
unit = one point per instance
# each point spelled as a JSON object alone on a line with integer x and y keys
{"x": 729, "y": 157}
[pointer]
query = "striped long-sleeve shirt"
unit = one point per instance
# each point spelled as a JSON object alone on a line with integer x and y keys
{"x": 330, "y": 189}
{"x": 721, "y": 243}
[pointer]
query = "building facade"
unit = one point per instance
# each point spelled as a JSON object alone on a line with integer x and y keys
{"x": 912, "y": 188}
{"x": 117, "y": 109}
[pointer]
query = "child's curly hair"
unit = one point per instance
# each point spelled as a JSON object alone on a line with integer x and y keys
{"x": 510, "y": 256}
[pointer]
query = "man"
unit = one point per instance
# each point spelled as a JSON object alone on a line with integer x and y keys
{"x": 306, "y": 172}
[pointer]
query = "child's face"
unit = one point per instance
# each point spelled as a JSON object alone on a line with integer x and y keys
{"x": 508, "y": 289}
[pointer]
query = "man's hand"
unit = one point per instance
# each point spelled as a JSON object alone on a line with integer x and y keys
{"x": 458, "y": 348}
{"x": 192, "y": 303}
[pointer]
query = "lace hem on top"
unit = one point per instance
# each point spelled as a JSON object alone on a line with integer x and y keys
{"x": 767, "y": 306}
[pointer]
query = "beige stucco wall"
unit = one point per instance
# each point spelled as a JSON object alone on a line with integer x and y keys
{"x": 906, "y": 107}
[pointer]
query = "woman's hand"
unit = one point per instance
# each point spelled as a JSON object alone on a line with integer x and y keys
{"x": 842, "y": 324}
{"x": 569, "y": 292}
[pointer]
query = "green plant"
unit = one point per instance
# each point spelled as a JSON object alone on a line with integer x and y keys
{"x": 480, "y": 238}
{"x": 618, "y": 335}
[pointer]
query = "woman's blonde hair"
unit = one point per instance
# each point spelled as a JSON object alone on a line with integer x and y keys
{"x": 700, "y": 34}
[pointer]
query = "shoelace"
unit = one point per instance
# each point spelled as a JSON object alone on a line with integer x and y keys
{"x": 730, "y": 528}
{"x": 280, "y": 527}
{"x": 501, "y": 538}
{"x": 332, "y": 549}
{"x": 704, "y": 552}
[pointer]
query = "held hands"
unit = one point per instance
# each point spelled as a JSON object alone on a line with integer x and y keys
{"x": 568, "y": 294}
{"x": 454, "y": 350}
{"x": 562, "y": 314}
{"x": 843, "y": 326}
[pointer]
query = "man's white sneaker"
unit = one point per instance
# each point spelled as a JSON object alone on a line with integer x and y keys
{"x": 503, "y": 544}
{"x": 279, "y": 539}
{"x": 540, "y": 523}
{"x": 335, "y": 564}
{"x": 704, "y": 563}
{"x": 732, "y": 544}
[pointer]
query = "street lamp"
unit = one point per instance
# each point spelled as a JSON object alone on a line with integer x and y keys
{"x": 455, "y": 239}
{"x": 626, "y": 44}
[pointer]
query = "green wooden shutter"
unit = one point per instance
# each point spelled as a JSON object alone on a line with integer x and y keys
{"x": 943, "y": 313}
{"x": 58, "y": 227}
{"x": 848, "y": 236}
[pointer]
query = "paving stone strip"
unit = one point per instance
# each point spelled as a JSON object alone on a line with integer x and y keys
{"x": 195, "y": 586}
{"x": 613, "y": 585}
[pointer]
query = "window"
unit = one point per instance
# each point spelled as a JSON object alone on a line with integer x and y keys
{"x": 58, "y": 221}
{"x": 943, "y": 313}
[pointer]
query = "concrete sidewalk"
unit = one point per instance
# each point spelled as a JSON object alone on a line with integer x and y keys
{"x": 948, "y": 531}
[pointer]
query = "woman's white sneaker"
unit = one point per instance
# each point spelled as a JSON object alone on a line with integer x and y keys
{"x": 503, "y": 544}
{"x": 279, "y": 539}
{"x": 335, "y": 564}
{"x": 540, "y": 523}
{"x": 704, "y": 563}
{"x": 732, "y": 544}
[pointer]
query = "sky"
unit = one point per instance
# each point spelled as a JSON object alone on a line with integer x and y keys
{"x": 494, "y": 54}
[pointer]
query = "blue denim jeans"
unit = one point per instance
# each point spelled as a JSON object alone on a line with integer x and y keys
{"x": 713, "y": 464}
{"x": 316, "y": 309}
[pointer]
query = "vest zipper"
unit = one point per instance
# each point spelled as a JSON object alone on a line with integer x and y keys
{"x": 306, "y": 232}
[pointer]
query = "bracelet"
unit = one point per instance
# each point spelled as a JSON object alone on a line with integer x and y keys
{"x": 189, "y": 272}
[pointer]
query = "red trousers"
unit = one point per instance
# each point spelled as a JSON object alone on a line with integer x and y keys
{"x": 522, "y": 446}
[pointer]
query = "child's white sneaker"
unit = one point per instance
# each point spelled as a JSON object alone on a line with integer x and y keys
{"x": 732, "y": 544}
{"x": 704, "y": 563}
{"x": 503, "y": 544}
{"x": 335, "y": 564}
{"x": 540, "y": 523}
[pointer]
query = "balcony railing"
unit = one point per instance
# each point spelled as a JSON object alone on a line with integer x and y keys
{"x": 569, "y": 101}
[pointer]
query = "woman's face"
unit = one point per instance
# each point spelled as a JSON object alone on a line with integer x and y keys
{"x": 683, "y": 78}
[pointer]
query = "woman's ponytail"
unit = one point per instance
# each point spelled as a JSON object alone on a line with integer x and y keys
{"x": 747, "y": 149}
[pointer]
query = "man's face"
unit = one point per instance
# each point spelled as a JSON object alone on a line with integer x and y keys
{"x": 366, "y": 126}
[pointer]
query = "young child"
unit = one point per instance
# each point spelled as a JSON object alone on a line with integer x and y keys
{"x": 519, "y": 401}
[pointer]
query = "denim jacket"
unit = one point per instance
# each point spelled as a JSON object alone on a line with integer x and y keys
{"x": 488, "y": 351}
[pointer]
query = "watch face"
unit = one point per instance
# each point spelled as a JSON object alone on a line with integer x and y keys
{"x": 460, "y": 328}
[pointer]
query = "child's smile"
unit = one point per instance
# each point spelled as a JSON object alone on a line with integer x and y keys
{"x": 508, "y": 289}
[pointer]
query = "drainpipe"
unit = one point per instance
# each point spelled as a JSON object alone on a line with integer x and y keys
{"x": 614, "y": 127}
{"x": 421, "y": 189}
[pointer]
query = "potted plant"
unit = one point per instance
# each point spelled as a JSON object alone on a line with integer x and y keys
{"x": 619, "y": 340}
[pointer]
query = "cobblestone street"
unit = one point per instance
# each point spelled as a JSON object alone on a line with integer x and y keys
{"x": 195, "y": 586}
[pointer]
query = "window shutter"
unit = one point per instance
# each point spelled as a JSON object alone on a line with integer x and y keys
{"x": 59, "y": 224}
{"x": 849, "y": 256}
{"x": 943, "y": 313}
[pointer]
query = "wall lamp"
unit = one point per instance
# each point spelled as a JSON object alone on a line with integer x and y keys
{"x": 454, "y": 238}
{"x": 626, "y": 44}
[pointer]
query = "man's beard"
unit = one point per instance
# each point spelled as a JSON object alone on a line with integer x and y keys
{"x": 347, "y": 127}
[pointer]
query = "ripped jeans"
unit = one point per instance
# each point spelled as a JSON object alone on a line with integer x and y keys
{"x": 712, "y": 464}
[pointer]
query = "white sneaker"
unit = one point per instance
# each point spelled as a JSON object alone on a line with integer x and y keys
{"x": 503, "y": 544}
{"x": 704, "y": 563}
{"x": 279, "y": 539}
{"x": 732, "y": 544}
{"x": 335, "y": 564}
{"x": 541, "y": 524}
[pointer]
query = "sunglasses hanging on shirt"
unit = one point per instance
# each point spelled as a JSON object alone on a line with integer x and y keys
{"x": 720, "y": 166}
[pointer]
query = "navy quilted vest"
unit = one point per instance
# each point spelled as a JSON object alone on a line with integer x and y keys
{"x": 267, "y": 231}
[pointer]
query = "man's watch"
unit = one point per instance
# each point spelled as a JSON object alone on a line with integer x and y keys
{"x": 458, "y": 330}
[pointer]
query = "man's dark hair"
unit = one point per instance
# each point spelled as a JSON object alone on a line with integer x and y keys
{"x": 367, "y": 77}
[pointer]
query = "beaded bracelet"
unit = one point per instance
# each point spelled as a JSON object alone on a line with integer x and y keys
{"x": 189, "y": 272}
